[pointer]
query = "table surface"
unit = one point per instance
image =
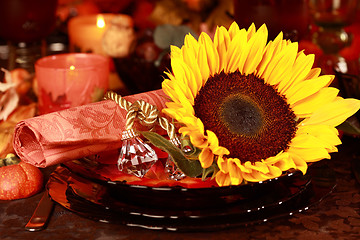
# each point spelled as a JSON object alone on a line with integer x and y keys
{"x": 336, "y": 217}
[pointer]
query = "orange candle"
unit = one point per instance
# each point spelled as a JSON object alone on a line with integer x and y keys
{"x": 86, "y": 32}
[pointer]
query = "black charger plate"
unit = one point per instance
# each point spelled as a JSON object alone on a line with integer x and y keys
{"x": 182, "y": 209}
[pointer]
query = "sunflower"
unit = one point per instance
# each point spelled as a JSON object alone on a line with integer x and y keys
{"x": 255, "y": 108}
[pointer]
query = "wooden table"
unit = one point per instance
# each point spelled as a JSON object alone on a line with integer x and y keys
{"x": 334, "y": 218}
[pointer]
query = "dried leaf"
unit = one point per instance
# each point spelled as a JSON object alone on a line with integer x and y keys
{"x": 6, "y": 146}
{"x": 351, "y": 126}
{"x": 9, "y": 98}
{"x": 6, "y": 86}
{"x": 7, "y": 127}
{"x": 22, "y": 112}
{"x": 8, "y": 103}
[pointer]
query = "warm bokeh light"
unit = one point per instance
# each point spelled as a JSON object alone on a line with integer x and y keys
{"x": 100, "y": 23}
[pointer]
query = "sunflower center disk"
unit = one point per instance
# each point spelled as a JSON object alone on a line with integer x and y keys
{"x": 241, "y": 116}
{"x": 250, "y": 118}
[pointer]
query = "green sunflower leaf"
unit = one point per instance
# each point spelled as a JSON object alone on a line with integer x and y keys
{"x": 210, "y": 171}
{"x": 167, "y": 34}
{"x": 191, "y": 168}
{"x": 189, "y": 150}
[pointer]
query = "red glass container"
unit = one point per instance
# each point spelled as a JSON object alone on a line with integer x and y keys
{"x": 289, "y": 16}
{"x": 70, "y": 80}
{"x": 27, "y": 20}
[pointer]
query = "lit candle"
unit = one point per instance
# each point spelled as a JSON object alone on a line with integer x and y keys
{"x": 70, "y": 80}
{"x": 86, "y": 32}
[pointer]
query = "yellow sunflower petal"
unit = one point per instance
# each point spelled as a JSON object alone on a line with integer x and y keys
{"x": 233, "y": 30}
{"x": 173, "y": 104}
{"x": 203, "y": 64}
{"x": 196, "y": 138}
{"x": 272, "y": 48}
{"x": 193, "y": 123}
{"x": 185, "y": 131}
{"x": 299, "y": 162}
{"x": 282, "y": 161}
{"x": 172, "y": 90}
{"x": 235, "y": 50}
{"x": 175, "y": 52}
{"x": 185, "y": 79}
{"x": 274, "y": 172}
{"x": 278, "y": 157}
{"x": 190, "y": 58}
{"x": 191, "y": 43}
{"x": 220, "y": 151}
{"x": 310, "y": 154}
{"x": 211, "y": 52}
{"x": 212, "y": 138}
{"x": 305, "y": 107}
{"x": 235, "y": 173}
{"x": 334, "y": 113}
{"x": 244, "y": 169}
{"x": 183, "y": 111}
{"x": 285, "y": 164}
{"x": 280, "y": 66}
{"x": 168, "y": 89}
{"x": 187, "y": 98}
{"x": 300, "y": 70}
{"x": 327, "y": 134}
{"x": 302, "y": 67}
{"x": 258, "y": 166}
{"x": 191, "y": 80}
{"x": 254, "y": 176}
{"x": 179, "y": 110}
{"x": 221, "y": 42}
{"x": 307, "y": 88}
{"x": 223, "y": 164}
{"x": 314, "y": 73}
{"x": 222, "y": 179}
{"x": 206, "y": 157}
{"x": 240, "y": 62}
{"x": 307, "y": 141}
{"x": 252, "y": 30}
{"x": 214, "y": 144}
{"x": 256, "y": 50}
{"x": 176, "y": 113}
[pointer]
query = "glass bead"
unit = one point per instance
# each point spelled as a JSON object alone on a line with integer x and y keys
{"x": 136, "y": 156}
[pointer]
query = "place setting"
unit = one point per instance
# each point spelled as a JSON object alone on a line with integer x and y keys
{"x": 212, "y": 125}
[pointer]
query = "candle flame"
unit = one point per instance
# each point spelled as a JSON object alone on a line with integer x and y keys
{"x": 100, "y": 22}
{"x": 72, "y": 67}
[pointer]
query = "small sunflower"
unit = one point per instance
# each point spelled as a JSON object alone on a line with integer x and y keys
{"x": 255, "y": 108}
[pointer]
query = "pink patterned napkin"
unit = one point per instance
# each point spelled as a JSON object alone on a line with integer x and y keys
{"x": 76, "y": 132}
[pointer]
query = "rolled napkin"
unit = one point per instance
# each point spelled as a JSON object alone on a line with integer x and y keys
{"x": 77, "y": 132}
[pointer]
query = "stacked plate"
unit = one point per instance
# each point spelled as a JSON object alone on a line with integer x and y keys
{"x": 187, "y": 209}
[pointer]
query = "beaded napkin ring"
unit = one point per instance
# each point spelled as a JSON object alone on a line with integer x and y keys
{"x": 136, "y": 156}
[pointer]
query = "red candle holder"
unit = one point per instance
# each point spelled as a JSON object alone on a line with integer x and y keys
{"x": 70, "y": 80}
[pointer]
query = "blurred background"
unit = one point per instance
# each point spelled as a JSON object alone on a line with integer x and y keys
{"x": 328, "y": 28}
